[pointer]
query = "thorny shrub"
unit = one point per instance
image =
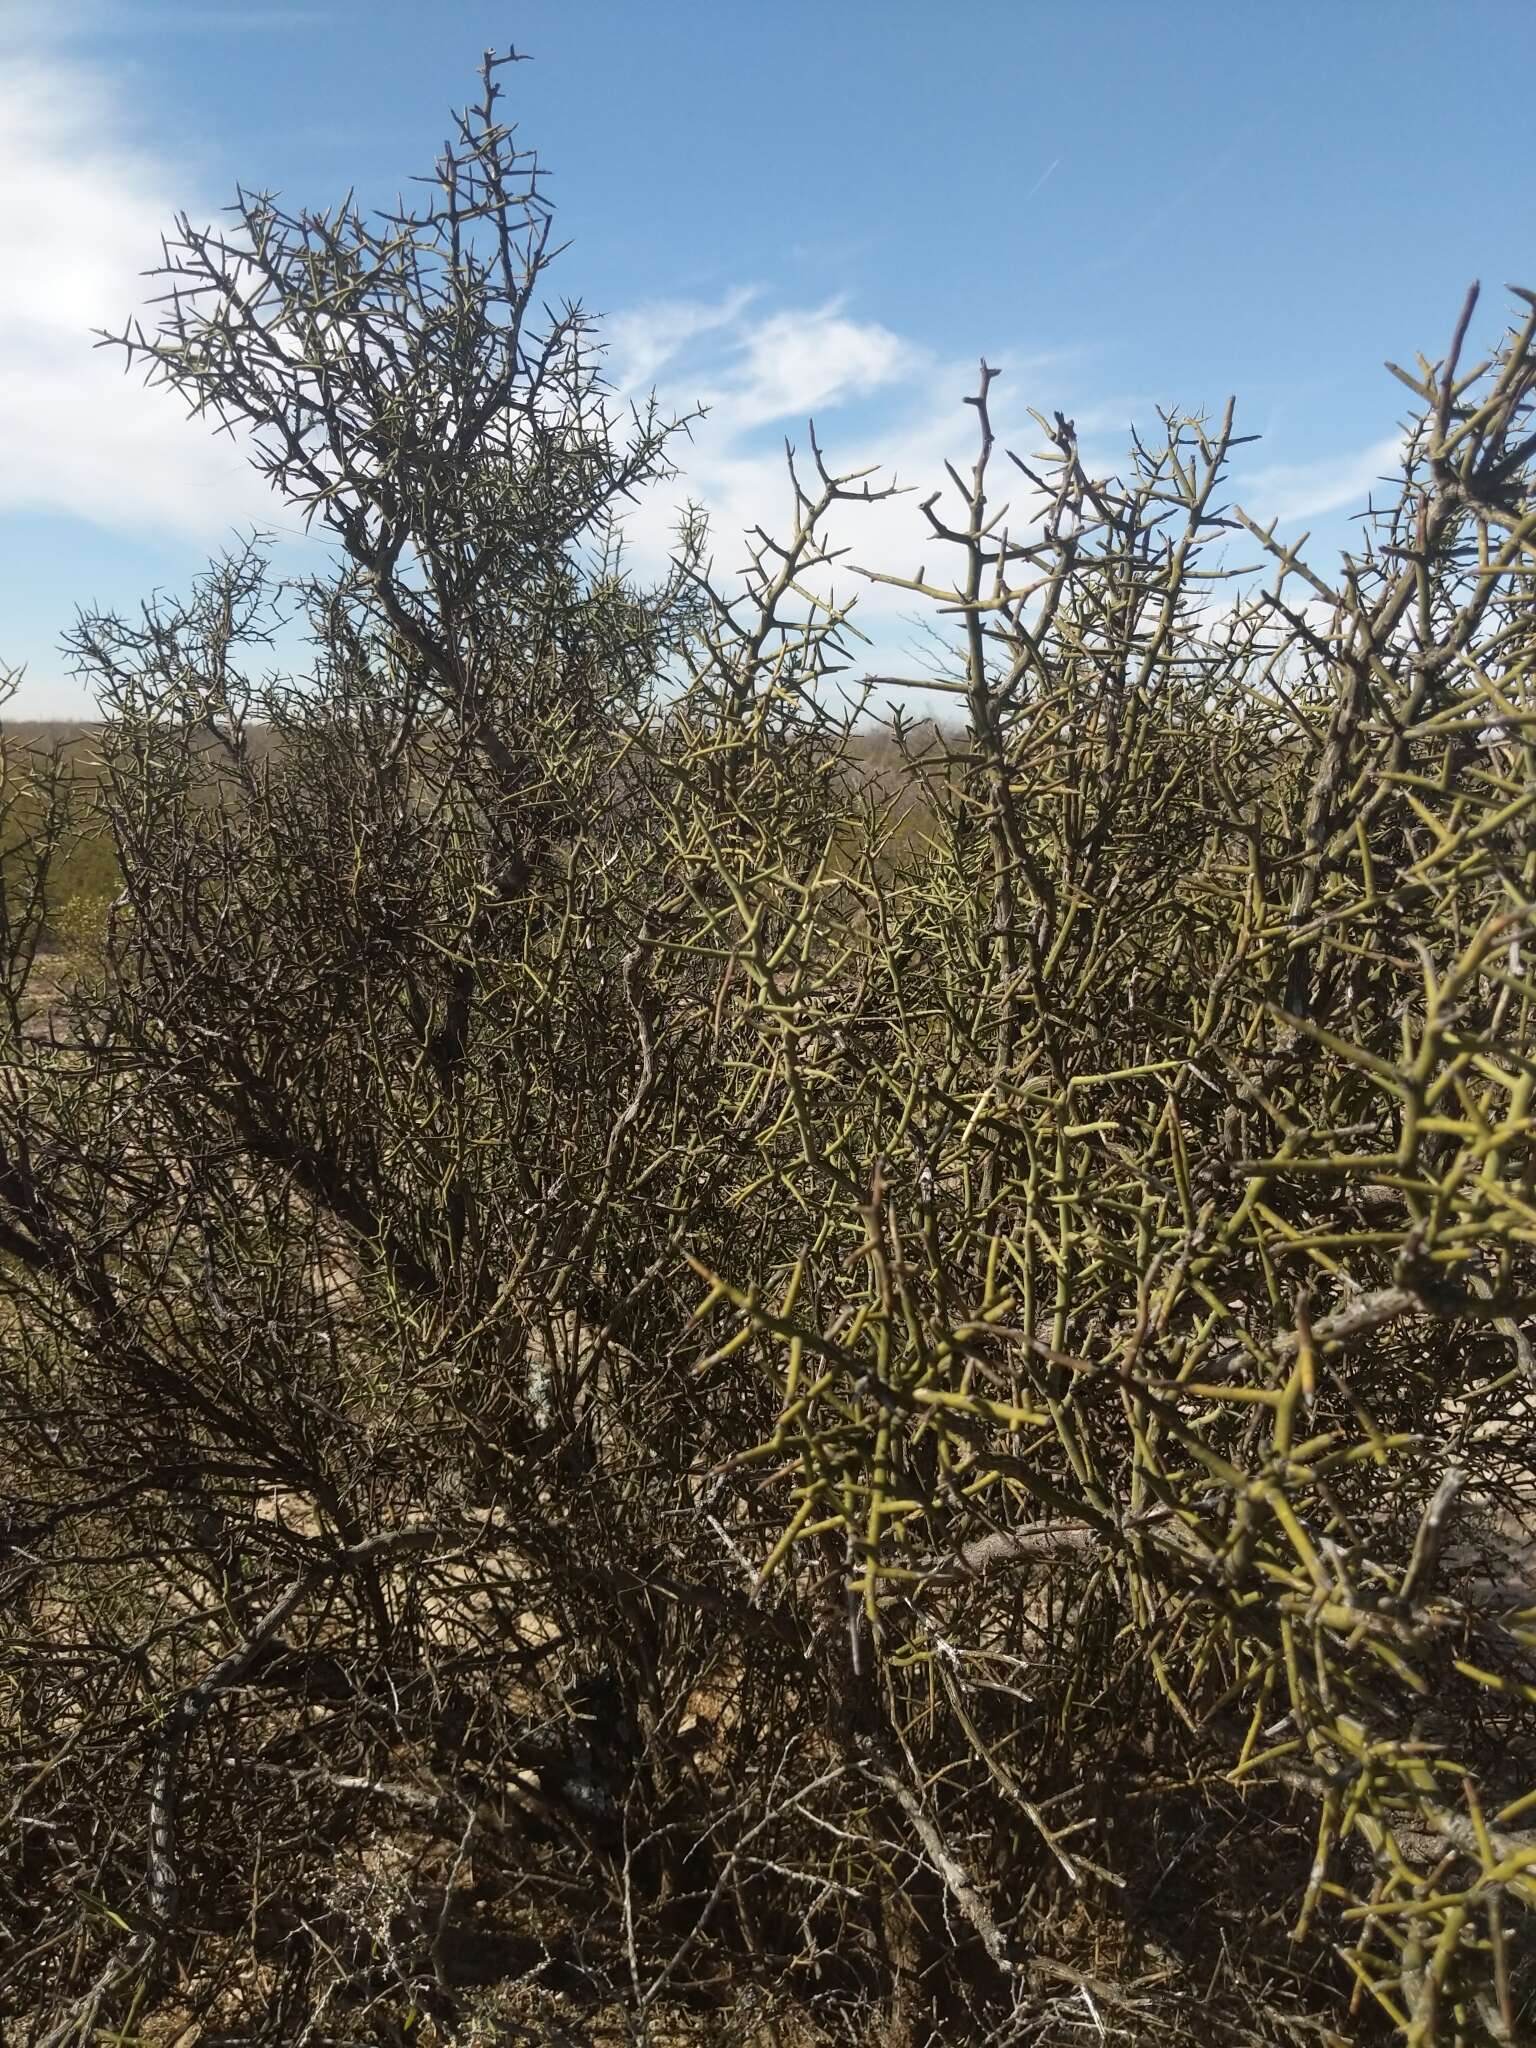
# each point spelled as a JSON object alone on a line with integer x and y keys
{"x": 654, "y": 1376}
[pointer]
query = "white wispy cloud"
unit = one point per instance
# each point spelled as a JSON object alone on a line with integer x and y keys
{"x": 85, "y": 206}
{"x": 879, "y": 401}
{"x": 1289, "y": 491}
{"x": 643, "y": 339}
{"x": 792, "y": 363}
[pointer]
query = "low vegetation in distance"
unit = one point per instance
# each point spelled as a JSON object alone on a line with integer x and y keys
{"x": 663, "y": 1384}
{"x": 81, "y": 875}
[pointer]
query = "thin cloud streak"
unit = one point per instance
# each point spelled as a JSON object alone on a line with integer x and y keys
{"x": 1052, "y": 166}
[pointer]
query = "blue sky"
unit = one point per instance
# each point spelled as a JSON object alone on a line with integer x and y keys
{"x": 828, "y": 208}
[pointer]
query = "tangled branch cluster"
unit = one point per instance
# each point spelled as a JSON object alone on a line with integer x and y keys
{"x": 665, "y": 1372}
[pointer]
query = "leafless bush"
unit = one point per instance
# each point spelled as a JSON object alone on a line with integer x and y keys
{"x": 659, "y": 1383}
